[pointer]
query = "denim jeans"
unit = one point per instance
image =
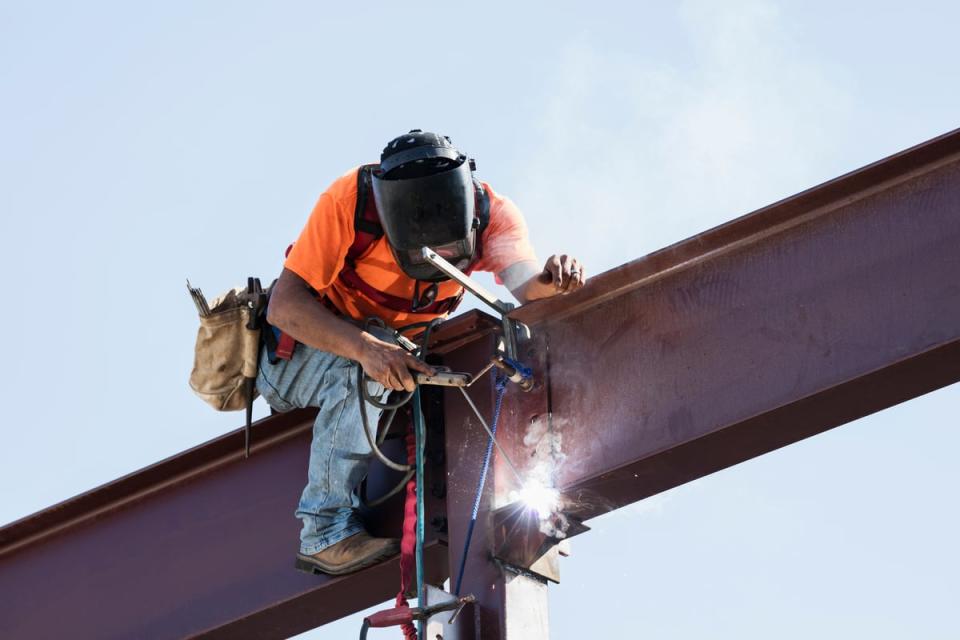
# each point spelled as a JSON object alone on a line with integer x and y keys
{"x": 339, "y": 452}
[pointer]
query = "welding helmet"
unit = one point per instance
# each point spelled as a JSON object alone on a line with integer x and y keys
{"x": 424, "y": 193}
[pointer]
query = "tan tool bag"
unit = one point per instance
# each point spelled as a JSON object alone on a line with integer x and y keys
{"x": 228, "y": 345}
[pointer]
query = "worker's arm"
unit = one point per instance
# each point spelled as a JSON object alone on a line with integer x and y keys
{"x": 560, "y": 275}
{"x": 295, "y": 311}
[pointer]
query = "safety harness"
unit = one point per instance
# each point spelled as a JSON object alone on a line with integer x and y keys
{"x": 367, "y": 231}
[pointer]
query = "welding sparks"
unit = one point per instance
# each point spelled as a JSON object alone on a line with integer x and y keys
{"x": 538, "y": 497}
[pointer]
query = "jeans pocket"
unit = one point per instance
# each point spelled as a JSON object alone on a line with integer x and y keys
{"x": 271, "y": 394}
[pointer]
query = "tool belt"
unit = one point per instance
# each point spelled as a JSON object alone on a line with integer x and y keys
{"x": 228, "y": 346}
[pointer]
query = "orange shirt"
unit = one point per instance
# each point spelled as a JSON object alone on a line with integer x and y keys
{"x": 320, "y": 252}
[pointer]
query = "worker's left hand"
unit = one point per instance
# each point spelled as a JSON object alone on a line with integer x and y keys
{"x": 564, "y": 272}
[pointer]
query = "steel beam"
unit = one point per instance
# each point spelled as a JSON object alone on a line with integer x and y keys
{"x": 201, "y": 544}
{"x": 810, "y": 313}
{"x": 203, "y": 549}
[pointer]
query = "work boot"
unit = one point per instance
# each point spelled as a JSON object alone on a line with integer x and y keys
{"x": 350, "y": 554}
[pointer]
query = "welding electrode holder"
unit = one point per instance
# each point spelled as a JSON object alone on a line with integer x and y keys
{"x": 513, "y": 331}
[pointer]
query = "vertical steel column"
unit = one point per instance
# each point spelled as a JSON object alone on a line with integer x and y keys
{"x": 510, "y": 605}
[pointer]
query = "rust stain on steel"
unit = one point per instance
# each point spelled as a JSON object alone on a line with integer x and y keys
{"x": 200, "y": 543}
{"x": 818, "y": 310}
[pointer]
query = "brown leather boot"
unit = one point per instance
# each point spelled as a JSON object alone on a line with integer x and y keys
{"x": 350, "y": 554}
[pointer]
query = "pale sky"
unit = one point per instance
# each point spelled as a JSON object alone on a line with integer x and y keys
{"x": 141, "y": 144}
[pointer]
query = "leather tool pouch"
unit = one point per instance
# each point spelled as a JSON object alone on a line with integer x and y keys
{"x": 228, "y": 347}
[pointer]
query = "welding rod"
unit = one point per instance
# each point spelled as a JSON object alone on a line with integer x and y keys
{"x": 198, "y": 300}
{"x": 492, "y": 437}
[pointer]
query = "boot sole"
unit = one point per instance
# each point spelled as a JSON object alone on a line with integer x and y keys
{"x": 311, "y": 566}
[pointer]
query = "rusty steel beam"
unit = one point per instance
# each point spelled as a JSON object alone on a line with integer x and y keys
{"x": 200, "y": 544}
{"x": 807, "y": 314}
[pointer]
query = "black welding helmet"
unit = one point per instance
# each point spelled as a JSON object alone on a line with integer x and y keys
{"x": 425, "y": 198}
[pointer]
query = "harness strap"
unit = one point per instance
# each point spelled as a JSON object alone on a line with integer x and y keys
{"x": 366, "y": 221}
{"x": 350, "y": 278}
{"x": 285, "y": 346}
{"x": 367, "y": 230}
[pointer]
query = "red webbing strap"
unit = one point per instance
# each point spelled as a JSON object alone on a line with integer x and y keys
{"x": 285, "y": 346}
{"x": 349, "y": 276}
{"x": 367, "y": 230}
{"x": 366, "y": 221}
{"x": 408, "y": 541}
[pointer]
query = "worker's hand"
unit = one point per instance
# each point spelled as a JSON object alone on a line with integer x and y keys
{"x": 390, "y": 364}
{"x": 564, "y": 272}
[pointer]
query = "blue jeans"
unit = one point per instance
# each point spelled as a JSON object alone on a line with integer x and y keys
{"x": 339, "y": 452}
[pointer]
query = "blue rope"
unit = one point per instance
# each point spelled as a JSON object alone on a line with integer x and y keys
{"x": 525, "y": 372}
{"x": 501, "y": 389}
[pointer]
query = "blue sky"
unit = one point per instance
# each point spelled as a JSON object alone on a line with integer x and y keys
{"x": 142, "y": 144}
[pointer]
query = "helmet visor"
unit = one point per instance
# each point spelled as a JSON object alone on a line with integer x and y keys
{"x": 458, "y": 253}
{"x": 435, "y": 211}
{"x": 427, "y": 211}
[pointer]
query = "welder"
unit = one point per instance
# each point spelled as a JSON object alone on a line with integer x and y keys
{"x": 359, "y": 256}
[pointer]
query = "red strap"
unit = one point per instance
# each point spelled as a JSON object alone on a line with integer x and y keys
{"x": 350, "y": 277}
{"x": 397, "y": 616}
{"x": 401, "y": 614}
{"x": 408, "y": 541}
{"x": 285, "y": 346}
{"x": 367, "y": 230}
{"x": 366, "y": 220}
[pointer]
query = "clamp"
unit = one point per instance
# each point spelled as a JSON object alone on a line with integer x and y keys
{"x": 509, "y": 361}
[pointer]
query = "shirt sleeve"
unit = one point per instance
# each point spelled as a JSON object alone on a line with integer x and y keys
{"x": 320, "y": 251}
{"x": 506, "y": 241}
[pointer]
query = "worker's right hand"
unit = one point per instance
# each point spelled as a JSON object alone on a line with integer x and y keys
{"x": 390, "y": 364}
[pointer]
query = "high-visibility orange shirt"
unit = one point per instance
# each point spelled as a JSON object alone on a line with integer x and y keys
{"x": 320, "y": 253}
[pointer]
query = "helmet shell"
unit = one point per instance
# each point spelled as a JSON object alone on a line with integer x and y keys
{"x": 425, "y": 197}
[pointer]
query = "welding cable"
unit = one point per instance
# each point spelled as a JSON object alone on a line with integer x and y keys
{"x": 421, "y": 353}
{"x": 362, "y": 377}
{"x": 501, "y": 384}
{"x": 365, "y": 396}
{"x": 419, "y": 441}
{"x": 398, "y": 487}
{"x": 381, "y": 456}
